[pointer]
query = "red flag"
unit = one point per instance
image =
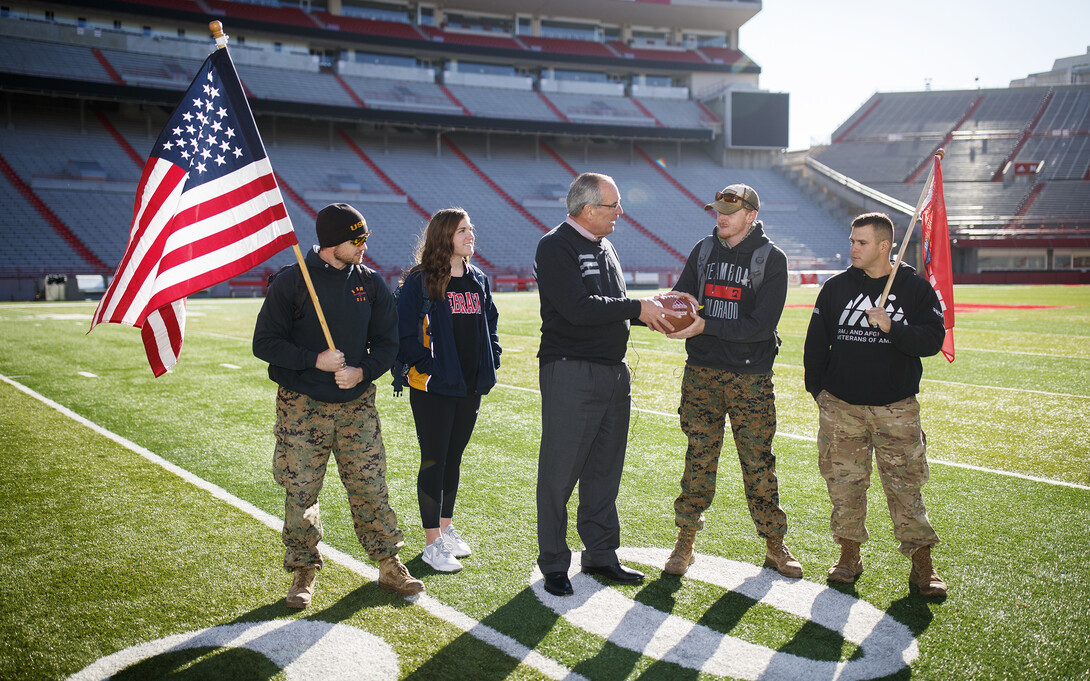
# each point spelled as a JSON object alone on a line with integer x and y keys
{"x": 207, "y": 209}
{"x": 936, "y": 255}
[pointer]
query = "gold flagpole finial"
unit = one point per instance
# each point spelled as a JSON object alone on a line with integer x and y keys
{"x": 217, "y": 32}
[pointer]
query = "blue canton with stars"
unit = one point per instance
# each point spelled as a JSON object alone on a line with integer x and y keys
{"x": 211, "y": 133}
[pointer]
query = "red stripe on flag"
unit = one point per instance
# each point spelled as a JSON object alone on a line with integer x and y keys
{"x": 143, "y": 212}
{"x": 205, "y": 278}
{"x": 162, "y": 336}
{"x": 233, "y": 197}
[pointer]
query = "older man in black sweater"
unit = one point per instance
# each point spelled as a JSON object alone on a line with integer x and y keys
{"x": 585, "y": 385}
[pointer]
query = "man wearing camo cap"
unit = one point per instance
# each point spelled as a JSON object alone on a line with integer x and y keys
{"x": 740, "y": 278}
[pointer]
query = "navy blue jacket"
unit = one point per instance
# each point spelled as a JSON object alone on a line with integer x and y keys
{"x": 428, "y": 347}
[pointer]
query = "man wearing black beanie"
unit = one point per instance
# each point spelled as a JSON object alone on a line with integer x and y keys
{"x": 326, "y": 399}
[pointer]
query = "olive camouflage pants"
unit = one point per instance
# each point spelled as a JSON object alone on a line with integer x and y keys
{"x": 847, "y": 433}
{"x": 306, "y": 431}
{"x": 708, "y": 397}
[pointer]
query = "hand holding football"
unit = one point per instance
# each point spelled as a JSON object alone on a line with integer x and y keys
{"x": 678, "y": 303}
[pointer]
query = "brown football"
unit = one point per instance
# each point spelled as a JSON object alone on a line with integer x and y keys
{"x": 676, "y": 302}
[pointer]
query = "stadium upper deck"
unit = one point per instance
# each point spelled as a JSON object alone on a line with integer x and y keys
{"x": 566, "y": 75}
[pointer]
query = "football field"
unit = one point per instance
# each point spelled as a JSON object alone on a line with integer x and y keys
{"x": 140, "y": 520}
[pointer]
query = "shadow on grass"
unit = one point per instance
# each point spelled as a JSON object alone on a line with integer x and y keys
{"x": 222, "y": 662}
{"x": 528, "y": 621}
{"x": 914, "y": 611}
{"x": 198, "y": 664}
{"x": 524, "y": 618}
{"x": 614, "y": 662}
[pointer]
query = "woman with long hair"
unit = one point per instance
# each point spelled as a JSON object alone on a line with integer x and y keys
{"x": 447, "y": 324}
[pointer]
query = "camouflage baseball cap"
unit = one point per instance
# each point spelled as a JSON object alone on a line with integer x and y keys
{"x": 733, "y": 198}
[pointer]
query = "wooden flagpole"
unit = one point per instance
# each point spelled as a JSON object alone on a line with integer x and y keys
{"x": 221, "y": 43}
{"x": 911, "y": 226}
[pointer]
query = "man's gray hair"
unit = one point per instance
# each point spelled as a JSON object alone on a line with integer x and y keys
{"x": 585, "y": 190}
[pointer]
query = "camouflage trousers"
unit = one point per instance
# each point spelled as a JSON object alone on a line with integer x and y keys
{"x": 708, "y": 397}
{"x": 847, "y": 434}
{"x": 306, "y": 431}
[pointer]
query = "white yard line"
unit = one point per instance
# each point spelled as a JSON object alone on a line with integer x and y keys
{"x": 807, "y": 438}
{"x": 483, "y": 632}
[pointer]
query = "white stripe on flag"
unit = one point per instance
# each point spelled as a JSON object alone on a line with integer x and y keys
{"x": 162, "y": 332}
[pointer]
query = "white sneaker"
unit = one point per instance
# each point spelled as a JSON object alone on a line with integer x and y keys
{"x": 458, "y": 546}
{"x": 438, "y": 556}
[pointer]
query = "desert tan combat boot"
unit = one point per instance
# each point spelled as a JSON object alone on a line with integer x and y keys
{"x": 682, "y": 557}
{"x": 393, "y": 575}
{"x": 779, "y": 557}
{"x": 924, "y": 576}
{"x": 302, "y": 588}
{"x": 849, "y": 566}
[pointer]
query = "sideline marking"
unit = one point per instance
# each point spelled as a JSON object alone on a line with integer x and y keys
{"x": 305, "y": 650}
{"x": 807, "y": 438}
{"x": 887, "y": 646}
{"x": 504, "y": 643}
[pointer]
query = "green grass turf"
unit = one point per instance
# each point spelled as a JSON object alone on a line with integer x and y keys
{"x": 103, "y": 550}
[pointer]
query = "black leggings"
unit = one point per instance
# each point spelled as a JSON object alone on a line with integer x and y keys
{"x": 443, "y": 428}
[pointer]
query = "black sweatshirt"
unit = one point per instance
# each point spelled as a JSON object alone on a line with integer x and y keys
{"x": 739, "y": 323}
{"x": 365, "y": 331}
{"x": 857, "y": 362}
{"x": 585, "y": 313}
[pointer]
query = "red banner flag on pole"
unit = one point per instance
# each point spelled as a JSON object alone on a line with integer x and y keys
{"x": 207, "y": 209}
{"x": 936, "y": 255}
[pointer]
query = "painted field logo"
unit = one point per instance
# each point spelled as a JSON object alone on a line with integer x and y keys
{"x": 305, "y": 650}
{"x": 887, "y": 646}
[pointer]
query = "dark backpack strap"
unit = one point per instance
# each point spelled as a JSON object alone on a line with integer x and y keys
{"x": 757, "y": 265}
{"x": 702, "y": 266}
{"x": 301, "y": 295}
{"x": 367, "y": 276}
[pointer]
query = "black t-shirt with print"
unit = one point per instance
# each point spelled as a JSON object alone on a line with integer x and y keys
{"x": 465, "y": 310}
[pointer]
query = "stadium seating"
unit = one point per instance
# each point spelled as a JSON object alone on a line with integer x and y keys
{"x": 499, "y": 103}
{"x": 244, "y": 10}
{"x": 629, "y": 52}
{"x": 723, "y": 55}
{"x": 510, "y": 189}
{"x": 54, "y": 60}
{"x": 78, "y": 166}
{"x": 1016, "y": 158}
{"x": 586, "y": 48}
{"x": 456, "y": 37}
{"x": 391, "y": 29}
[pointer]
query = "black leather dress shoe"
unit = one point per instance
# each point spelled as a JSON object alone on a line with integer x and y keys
{"x": 558, "y": 584}
{"x": 616, "y": 572}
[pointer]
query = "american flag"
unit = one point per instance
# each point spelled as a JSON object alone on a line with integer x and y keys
{"x": 207, "y": 209}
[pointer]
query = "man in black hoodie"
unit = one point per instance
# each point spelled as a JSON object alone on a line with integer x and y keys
{"x": 326, "y": 399}
{"x": 863, "y": 367}
{"x": 740, "y": 277}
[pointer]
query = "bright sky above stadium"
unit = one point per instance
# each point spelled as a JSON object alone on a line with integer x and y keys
{"x": 832, "y": 56}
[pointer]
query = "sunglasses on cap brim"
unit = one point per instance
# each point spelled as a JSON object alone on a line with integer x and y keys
{"x": 731, "y": 197}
